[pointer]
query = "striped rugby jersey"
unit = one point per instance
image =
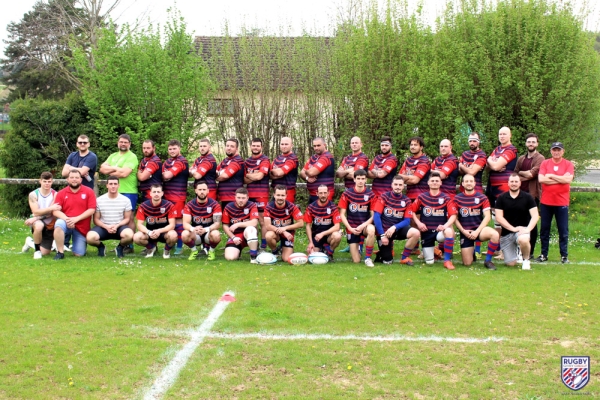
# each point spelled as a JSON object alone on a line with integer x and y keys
{"x": 358, "y": 161}
{"x": 258, "y": 189}
{"x": 289, "y": 163}
{"x": 322, "y": 218}
{"x": 434, "y": 210}
{"x": 154, "y": 165}
{"x": 393, "y": 209}
{"x": 468, "y": 158}
{"x": 176, "y": 188}
{"x": 389, "y": 164}
{"x": 418, "y": 166}
{"x": 500, "y": 179}
{"x": 281, "y": 217}
{"x": 358, "y": 206}
{"x": 202, "y": 213}
{"x": 156, "y": 217}
{"x": 207, "y": 166}
{"x": 326, "y": 164}
{"x": 471, "y": 209}
{"x": 235, "y": 168}
{"x": 449, "y": 166}
{"x": 233, "y": 214}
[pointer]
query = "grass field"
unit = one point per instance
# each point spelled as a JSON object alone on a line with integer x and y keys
{"x": 105, "y": 328}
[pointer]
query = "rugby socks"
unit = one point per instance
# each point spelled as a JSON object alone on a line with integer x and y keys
{"x": 151, "y": 245}
{"x": 167, "y": 247}
{"x": 253, "y": 254}
{"x": 191, "y": 244}
{"x": 406, "y": 253}
{"x": 478, "y": 246}
{"x": 448, "y": 248}
{"x": 212, "y": 245}
{"x": 327, "y": 249}
{"x": 263, "y": 243}
{"x": 492, "y": 248}
{"x": 179, "y": 230}
{"x": 368, "y": 251}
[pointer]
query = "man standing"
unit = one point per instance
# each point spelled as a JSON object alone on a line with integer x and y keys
{"x": 113, "y": 212}
{"x": 83, "y": 161}
{"x": 517, "y": 214}
{"x": 284, "y": 170}
{"x": 356, "y": 211}
{"x": 528, "y": 168}
{"x": 415, "y": 170}
{"x": 434, "y": 214}
{"x": 201, "y": 222}
{"x": 556, "y": 175}
{"x": 282, "y": 218}
{"x": 319, "y": 170}
{"x": 205, "y": 168}
{"x": 42, "y": 221}
{"x": 392, "y": 217}
{"x": 150, "y": 170}
{"x": 474, "y": 214}
{"x": 473, "y": 162}
{"x": 383, "y": 168}
{"x": 447, "y": 165}
{"x": 352, "y": 163}
{"x": 323, "y": 224}
{"x": 77, "y": 205}
{"x": 175, "y": 175}
{"x": 159, "y": 217}
{"x": 240, "y": 219}
{"x": 502, "y": 163}
{"x": 257, "y": 183}
{"x": 230, "y": 173}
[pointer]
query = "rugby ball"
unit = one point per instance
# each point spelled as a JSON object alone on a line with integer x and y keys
{"x": 298, "y": 259}
{"x": 266, "y": 258}
{"x": 318, "y": 258}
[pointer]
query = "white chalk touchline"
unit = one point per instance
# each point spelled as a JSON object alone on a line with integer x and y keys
{"x": 169, "y": 374}
{"x": 393, "y": 338}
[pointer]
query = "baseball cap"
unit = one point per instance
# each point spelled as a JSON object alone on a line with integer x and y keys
{"x": 558, "y": 145}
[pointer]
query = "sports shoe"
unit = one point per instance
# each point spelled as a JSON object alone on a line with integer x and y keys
{"x": 437, "y": 254}
{"x": 128, "y": 250}
{"x": 211, "y": 255}
{"x": 37, "y": 255}
{"x": 67, "y": 248}
{"x": 489, "y": 265}
{"x": 193, "y": 255}
{"x": 253, "y": 261}
{"x": 101, "y": 250}
{"x": 178, "y": 251}
{"x": 28, "y": 244}
{"x": 120, "y": 251}
{"x": 369, "y": 263}
{"x": 330, "y": 257}
{"x": 345, "y": 250}
{"x": 277, "y": 251}
{"x": 166, "y": 254}
{"x": 541, "y": 258}
{"x": 388, "y": 262}
{"x": 407, "y": 261}
{"x": 526, "y": 265}
{"x": 519, "y": 256}
{"x": 59, "y": 256}
{"x": 415, "y": 252}
{"x": 144, "y": 252}
{"x": 564, "y": 260}
{"x": 449, "y": 265}
{"x": 150, "y": 252}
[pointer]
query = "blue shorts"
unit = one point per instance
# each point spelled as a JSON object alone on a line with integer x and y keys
{"x": 133, "y": 198}
{"x": 79, "y": 243}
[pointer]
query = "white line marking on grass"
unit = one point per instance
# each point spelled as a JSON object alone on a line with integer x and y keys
{"x": 169, "y": 374}
{"x": 393, "y": 338}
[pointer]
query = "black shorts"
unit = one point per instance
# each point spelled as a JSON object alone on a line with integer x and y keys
{"x": 352, "y": 238}
{"x": 47, "y": 238}
{"x": 104, "y": 235}
{"x": 465, "y": 242}
{"x": 320, "y": 243}
{"x": 428, "y": 238}
{"x": 401, "y": 234}
{"x": 160, "y": 238}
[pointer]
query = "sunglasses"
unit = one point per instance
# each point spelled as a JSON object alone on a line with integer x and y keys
{"x": 82, "y": 142}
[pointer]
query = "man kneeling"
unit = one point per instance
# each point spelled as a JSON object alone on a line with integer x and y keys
{"x": 240, "y": 218}
{"x": 201, "y": 222}
{"x": 279, "y": 214}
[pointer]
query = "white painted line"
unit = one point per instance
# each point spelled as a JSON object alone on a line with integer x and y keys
{"x": 169, "y": 374}
{"x": 393, "y": 338}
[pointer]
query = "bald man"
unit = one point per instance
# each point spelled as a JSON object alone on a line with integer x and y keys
{"x": 447, "y": 165}
{"x": 319, "y": 170}
{"x": 501, "y": 163}
{"x": 352, "y": 163}
{"x": 284, "y": 169}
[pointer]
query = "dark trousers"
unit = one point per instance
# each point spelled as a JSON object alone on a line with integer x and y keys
{"x": 533, "y": 235}
{"x": 561, "y": 213}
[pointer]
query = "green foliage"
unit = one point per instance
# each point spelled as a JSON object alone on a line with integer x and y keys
{"x": 43, "y": 134}
{"x": 149, "y": 84}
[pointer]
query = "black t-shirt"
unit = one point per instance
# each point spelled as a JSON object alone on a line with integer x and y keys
{"x": 516, "y": 211}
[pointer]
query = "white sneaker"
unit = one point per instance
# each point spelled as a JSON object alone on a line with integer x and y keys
{"x": 519, "y": 256}
{"x": 150, "y": 252}
{"x": 369, "y": 263}
{"x": 526, "y": 265}
{"x": 53, "y": 248}
{"x": 166, "y": 254}
{"x": 28, "y": 244}
{"x": 253, "y": 261}
{"x": 37, "y": 255}
{"x": 67, "y": 248}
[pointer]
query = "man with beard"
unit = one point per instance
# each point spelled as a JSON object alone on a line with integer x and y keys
{"x": 175, "y": 178}
{"x": 415, "y": 170}
{"x": 240, "y": 218}
{"x": 257, "y": 183}
{"x": 528, "y": 168}
{"x": 434, "y": 214}
{"x": 230, "y": 173}
{"x": 82, "y": 160}
{"x": 205, "y": 168}
{"x": 41, "y": 203}
{"x": 473, "y": 217}
{"x": 201, "y": 222}
{"x": 392, "y": 218}
{"x": 77, "y": 205}
{"x": 383, "y": 168}
{"x": 284, "y": 170}
{"x": 517, "y": 214}
{"x": 352, "y": 163}
{"x": 323, "y": 224}
{"x": 356, "y": 211}
{"x": 159, "y": 217}
{"x": 319, "y": 170}
{"x": 447, "y": 166}
{"x": 150, "y": 170}
{"x": 282, "y": 218}
{"x": 473, "y": 162}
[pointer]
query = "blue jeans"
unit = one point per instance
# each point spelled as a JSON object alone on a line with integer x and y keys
{"x": 561, "y": 213}
{"x": 79, "y": 243}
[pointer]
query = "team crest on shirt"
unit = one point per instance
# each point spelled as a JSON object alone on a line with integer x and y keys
{"x": 416, "y": 161}
{"x": 209, "y": 209}
{"x": 355, "y": 158}
{"x": 83, "y": 196}
{"x": 441, "y": 201}
{"x": 257, "y": 162}
{"x": 287, "y": 212}
{"x": 246, "y": 211}
{"x": 366, "y": 197}
{"x": 476, "y": 200}
{"x": 162, "y": 210}
{"x": 402, "y": 203}
{"x": 475, "y": 158}
{"x": 556, "y": 168}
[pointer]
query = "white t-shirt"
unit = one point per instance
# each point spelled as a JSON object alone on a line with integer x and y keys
{"x": 112, "y": 210}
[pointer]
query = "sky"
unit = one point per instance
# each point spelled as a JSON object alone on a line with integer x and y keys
{"x": 210, "y": 17}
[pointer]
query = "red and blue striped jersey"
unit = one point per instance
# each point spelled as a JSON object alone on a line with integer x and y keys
{"x": 281, "y": 217}
{"x": 356, "y": 161}
{"x": 154, "y": 165}
{"x": 176, "y": 188}
{"x": 233, "y": 214}
{"x": 449, "y": 166}
{"x": 325, "y": 163}
{"x": 471, "y": 209}
{"x": 235, "y": 168}
{"x": 389, "y": 164}
{"x": 202, "y": 213}
{"x": 357, "y": 205}
{"x": 468, "y": 158}
{"x": 322, "y": 218}
{"x": 417, "y": 166}
{"x": 156, "y": 217}
{"x": 289, "y": 163}
{"x": 207, "y": 166}
{"x": 499, "y": 179}
{"x": 258, "y": 189}
{"x": 434, "y": 210}
{"x": 393, "y": 209}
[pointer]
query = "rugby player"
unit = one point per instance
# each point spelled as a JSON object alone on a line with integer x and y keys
{"x": 282, "y": 218}
{"x": 240, "y": 219}
{"x": 323, "y": 224}
{"x": 201, "y": 222}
